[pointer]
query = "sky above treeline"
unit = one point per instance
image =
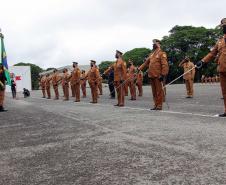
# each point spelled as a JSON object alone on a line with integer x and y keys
{"x": 53, "y": 33}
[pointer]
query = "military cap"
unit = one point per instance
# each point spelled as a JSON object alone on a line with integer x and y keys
{"x": 156, "y": 41}
{"x": 223, "y": 22}
{"x": 93, "y": 61}
{"x": 119, "y": 52}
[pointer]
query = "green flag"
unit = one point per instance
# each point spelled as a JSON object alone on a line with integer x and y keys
{"x": 3, "y": 59}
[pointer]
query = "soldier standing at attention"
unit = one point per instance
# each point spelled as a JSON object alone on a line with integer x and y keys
{"x": 210, "y": 80}
{"x": 75, "y": 79}
{"x": 110, "y": 73}
{"x": 203, "y": 79}
{"x": 43, "y": 85}
{"x": 2, "y": 87}
{"x": 119, "y": 68}
{"x": 217, "y": 78}
{"x": 131, "y": 80}
{"x": 189, "y": 77}
{"x": 72, "y": 88}
{"x": 47, "y": 85}
{"x": 206, "y": 80}
{"x": 126, "y": 85}
{"x": 55, "y": 80}
{"x": 83, "y": 83}
{"x": 213, "y": 79}
{"x": 157, "y": 70}
{"x": 140, "y": 83}
{"x": 65, "y": 84}
{"x": 219, "y": 51}
{"x": 100, "y": 86}
{"x": 93, "y": 76}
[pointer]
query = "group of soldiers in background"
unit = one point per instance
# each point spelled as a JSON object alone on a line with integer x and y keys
{"x": 75, "y": 80}
{"x": 206, "y": 79}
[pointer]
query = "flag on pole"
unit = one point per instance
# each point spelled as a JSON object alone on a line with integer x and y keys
{"x": 3, "y": 59}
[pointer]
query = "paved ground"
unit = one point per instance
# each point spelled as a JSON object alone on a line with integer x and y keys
{"x": 55, "y": 142}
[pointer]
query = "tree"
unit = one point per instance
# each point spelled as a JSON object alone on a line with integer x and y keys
{"x": 35, "y": 70}
{"x": 104, "y": 65}
{"x": 194, "y": 42}
{"x": 137, "y": 55}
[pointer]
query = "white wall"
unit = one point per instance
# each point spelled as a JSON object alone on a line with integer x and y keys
{"x": 24, "y": 73}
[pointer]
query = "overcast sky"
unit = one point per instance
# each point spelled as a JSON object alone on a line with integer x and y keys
{"x": 53, "y": 33}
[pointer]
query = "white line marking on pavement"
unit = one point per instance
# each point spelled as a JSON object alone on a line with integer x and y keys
{"x": 145, "y": 109}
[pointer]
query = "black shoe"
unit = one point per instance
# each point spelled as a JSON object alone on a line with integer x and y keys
{"x": 188, "y": 97}
{"x": 222, "y": 115}
{"x": 153, "y": 108}
{"x": 2, "y": 109}
{"x": 121, "y": 105}
{"x": 158, "y": 108}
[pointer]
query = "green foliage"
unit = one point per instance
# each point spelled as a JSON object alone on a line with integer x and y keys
{"x": 137, "y": 55}
{"x": 194, "y": 42}
{"x": 104, "y": 65}
{"x": 35, "y": 70}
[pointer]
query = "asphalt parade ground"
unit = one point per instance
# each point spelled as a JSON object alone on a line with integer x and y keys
{"x": 56, "y": 142}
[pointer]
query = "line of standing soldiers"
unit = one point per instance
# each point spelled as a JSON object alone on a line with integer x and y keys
{"x": 123, "y": 78}
{"x": 78, "y": 79}
{"x": 206, "y": 79}
{"x": 75, "y": 80}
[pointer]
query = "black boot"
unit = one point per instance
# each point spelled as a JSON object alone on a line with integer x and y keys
{"x": 222, "y": 115}
{"x": 2, "y": 109}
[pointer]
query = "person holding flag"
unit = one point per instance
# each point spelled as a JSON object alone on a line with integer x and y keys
{"x": 4, "y": 73}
